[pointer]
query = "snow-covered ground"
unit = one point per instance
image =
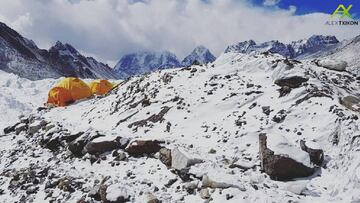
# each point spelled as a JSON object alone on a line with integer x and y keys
{"x": 214, "y": 113}
{"x": 19, "y": 96}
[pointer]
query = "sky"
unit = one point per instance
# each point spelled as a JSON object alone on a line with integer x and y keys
{"x": 108, "y": 29}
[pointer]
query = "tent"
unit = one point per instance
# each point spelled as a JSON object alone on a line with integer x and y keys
{"x": 68, "y": 90}
{"x": 59, "y": 96}
{"x": 100, "y": 87}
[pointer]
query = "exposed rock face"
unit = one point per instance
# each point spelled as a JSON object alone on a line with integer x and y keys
{"x": 293, "y": 82}
{"x": 316, "y": 155}
{"x": 140, "y": 147}
{"x": 351, "y": 102}
{"x": 104, "y": 146}
{"x": 280, "y": 167}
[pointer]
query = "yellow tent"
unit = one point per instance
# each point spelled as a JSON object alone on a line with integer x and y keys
{"x": 100, "y": 87}
{"x": 67, "y": 91}
{"x": 78, "y": 88}
{"x": 59, "y": 96}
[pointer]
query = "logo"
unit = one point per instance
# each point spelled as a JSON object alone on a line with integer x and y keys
{"x": 344, "y": 17}
{"x": 343, "y": 11}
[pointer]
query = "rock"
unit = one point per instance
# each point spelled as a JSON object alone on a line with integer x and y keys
{"x": 116, "y": 193}
{"x": 150, "y": 198}
{"x": 20, "y": 128}
{"x": 141, "y": 147}
{"x": 332, "y": 64}
{"x": 95, "y": 193}
{"x": 36, "y": 126}
{"x": 120, "y": 157}
{"x": 31, "y": 190}
{"x": 76, "y": 146}
{"x": 100, "y": 147}
{"x": 165, "y": 156}
{"x": 180, "y": 161}
{"x": 207, "y": 182}
{"x": 351, "y": 102}
{"x": 292, "y": 82}
{"x": 10, "y": 129}
{"x": 204, "y": 193}
{"x": 280, "y": 116}
{"x": 212, "y": 151}
{"x": 316, "y": 155}
{"x": 266, "y": 110}
{"x": 280, "y": 167}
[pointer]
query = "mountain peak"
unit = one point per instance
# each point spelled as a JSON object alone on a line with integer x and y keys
{"x": 200, "y": 54}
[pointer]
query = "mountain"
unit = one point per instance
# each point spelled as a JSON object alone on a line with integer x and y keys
{"x": 21, "y": 56}
{"x": 298, "y": 49}
{"x": 145, "y": 62}
{"x": 192, "y": 135}
{"x": 200, "y": 54}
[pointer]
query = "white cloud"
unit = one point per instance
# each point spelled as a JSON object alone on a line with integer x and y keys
{"x": 271, "y": 2}
{"x": 111, "y": 28}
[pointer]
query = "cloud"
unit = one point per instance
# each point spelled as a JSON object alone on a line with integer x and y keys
{"x": 110, "y": 28}
{"x": 271, "y": 2}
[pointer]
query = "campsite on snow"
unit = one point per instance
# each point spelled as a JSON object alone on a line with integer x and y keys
{"x": 267, "y": 122}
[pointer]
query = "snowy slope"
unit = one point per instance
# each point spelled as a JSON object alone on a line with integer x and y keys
{"x": 200, "y": 54}
{"x": 213, "y": 112}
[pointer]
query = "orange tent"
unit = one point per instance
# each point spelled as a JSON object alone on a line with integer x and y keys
{"x": 68, "y": 90}
{"x": 59, "y": 96}
{"x": 100, "y": 87}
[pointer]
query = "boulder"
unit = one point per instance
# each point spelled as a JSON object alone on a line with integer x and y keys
{"x": 76, "y": 146}
{"x": 20, "y": 128}
{"x": 292, "y": 82}
{"x": 332, "y": 64}
{"x": 316, "y": 155}
{"x": 180, "y": 161}
{"x": 280, "y": 167}
{"x": 143, "y": 147}
{"x": 204, "y": 193}
{"x": 105, "y": 146}
{"x": 207, "y": 182}
{"x": 36, "y": 126}
{"x": 351, "y": 102}
{"x": 10, "y": 129}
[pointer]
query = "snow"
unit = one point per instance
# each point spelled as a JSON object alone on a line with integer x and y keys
{"x": 216, "y": 112}
{"x": 115, "y": 191}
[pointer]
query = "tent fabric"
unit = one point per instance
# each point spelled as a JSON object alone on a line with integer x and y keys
{"x": 78, "y": 88}
{"x": 100, "y": 87}
{"x": 59, "y": 96}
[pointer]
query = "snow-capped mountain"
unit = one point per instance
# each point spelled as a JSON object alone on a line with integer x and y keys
{"x": 200, "y": 55}
{"x": 193, "y": 135}
{"x": 298, "y": 49}
{"x": 145, "y": 62}
{"x": 21, "y": 56}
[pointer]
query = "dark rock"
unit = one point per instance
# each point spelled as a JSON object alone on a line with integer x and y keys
{"x": 280, "y": 167}
{"x": 76, "y": 147}
{"x": 10, "y": 129}
{"x": 266, "y": 110}
{"x": 141, "y": 147}
{"x": 105, "y": 146}
{"x": 293, "y": 82}
{"x": 316, "y": 155}
{"x": 280, "y": 116}
{"x": 284, "y": 91}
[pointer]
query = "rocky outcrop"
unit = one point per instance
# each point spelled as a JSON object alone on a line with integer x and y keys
{"x": 316, "y": 155}
{"x": 280, "y": 167}
{"x": 351, "y": 102}
{"x": 292, "y": 82}
{"x": 143, "y": 147}
{"x": 105, "y": 146}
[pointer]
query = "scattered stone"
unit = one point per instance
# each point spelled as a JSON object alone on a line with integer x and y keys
{"x": 170, "y": 182}
{"x": 316, "y": 155}
{"x": 36, "y": 126}
{"x": 10, "y": 129}
{"x": 280, "y": 167}
{"x": 207, "y": 182}
{"x": 212, "y": 151}
{"x": 292, "y": 82}
{"x": 204, "y": 193}
{"x": 280, "y": 116}
{"x": 20, "y": 128}
{"x": 140, "y": 147}
{"x": 152, "y": 199}
{"x": 266, "y": 110}
{"x": 180, "y": 161}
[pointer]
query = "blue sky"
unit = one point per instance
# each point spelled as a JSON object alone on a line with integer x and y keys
{"x": 311, "y": 6}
